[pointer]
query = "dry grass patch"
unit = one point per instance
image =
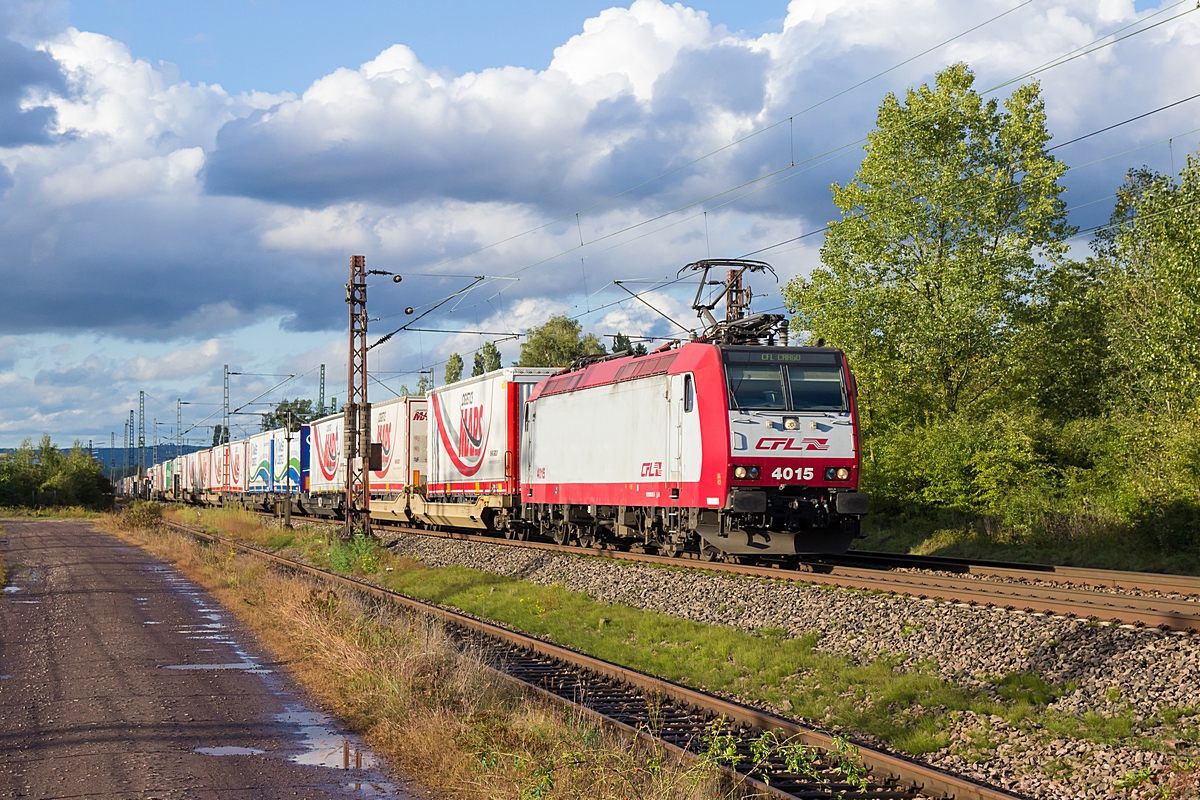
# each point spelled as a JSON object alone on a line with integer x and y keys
{"x": 3, "y": 565}
{"x": 418, "y": 696}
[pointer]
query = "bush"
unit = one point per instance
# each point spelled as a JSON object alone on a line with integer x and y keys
{"x": 1017, "y": 473}
{"x": 141, "y": 515}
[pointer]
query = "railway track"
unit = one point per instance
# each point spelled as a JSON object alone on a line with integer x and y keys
{"x": 1093, "y": 594}
{"x": 1099, "y": 578}
{"x": 682, "y": 720}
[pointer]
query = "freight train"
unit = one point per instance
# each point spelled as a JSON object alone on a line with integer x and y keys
{"x": 724, "y": 446}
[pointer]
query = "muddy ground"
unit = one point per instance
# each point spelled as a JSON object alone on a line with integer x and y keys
{"x": 121, "y": 678}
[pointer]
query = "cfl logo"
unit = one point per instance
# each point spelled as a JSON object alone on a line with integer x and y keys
{"x": 652, "y": 469}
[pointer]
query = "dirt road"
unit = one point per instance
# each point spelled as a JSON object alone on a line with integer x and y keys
{"x": 120, "y": 678}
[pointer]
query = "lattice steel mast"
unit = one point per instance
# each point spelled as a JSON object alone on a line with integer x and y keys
{"x": 357, "y": 413}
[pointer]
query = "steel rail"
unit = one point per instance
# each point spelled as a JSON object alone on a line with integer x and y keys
{"x": 883, "y": 766}
{"x": 1108, "y": 578}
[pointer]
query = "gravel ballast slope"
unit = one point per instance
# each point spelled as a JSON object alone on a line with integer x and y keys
{"x": 1116, "y": 669}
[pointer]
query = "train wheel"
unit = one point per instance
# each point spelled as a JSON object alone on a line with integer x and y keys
{"x": 708, "y": 553}
{"x": 560, "y": 533}
{"x": 510, "y": 533}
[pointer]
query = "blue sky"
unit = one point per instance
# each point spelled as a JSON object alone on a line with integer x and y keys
{"x": 171, "y": 202}
{"x": 272, "y": 45}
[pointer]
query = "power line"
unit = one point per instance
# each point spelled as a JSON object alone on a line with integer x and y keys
{"x": 825, "y": 227}
{"x": 1123, "y": 122}
{"x": 735, "y": 142}
{"x": 1095, "y": 45}
{"x": 834, "y": 152}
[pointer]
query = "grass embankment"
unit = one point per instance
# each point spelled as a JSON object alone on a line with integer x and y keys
{"x": 48, "y": 512}
{"x": 435, "y": 711}
{"x": 1074, "y": 543}
{"x": 910, "y": 710}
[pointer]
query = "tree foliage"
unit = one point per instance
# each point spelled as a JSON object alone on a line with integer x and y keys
{"x": 557, "y": 343}
{"x": 454, "y": 368}
{"x": 942, "y": 261}
{"x": 46, "y": 476}
{"x": 1149, "y": 259}
{"x": 621, "y": 342}
{"x": 1002, "y": 381}
{"x": 487, "y": 359}
{"x": 491, "y": 357}
{"x": 289, "y": 414}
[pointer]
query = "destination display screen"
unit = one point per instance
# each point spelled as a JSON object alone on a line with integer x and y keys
{"x": 780, "y": 355}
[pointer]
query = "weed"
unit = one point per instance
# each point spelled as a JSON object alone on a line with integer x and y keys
{"x": 324, "y": 603}
{"x": 280, "y": 541}
{"x": 358, "y": 556}
{"x": 1134, "y": 779}
{"x": 1025, "y": 687}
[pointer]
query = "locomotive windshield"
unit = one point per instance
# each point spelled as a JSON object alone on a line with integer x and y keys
{"x": 781, "y": 380}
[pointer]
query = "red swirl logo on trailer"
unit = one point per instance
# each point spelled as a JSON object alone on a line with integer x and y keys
{"x": 328, "y": 458}
{"x": 383, "y": 435}
{"x": 467, "y": 449}
{"x": 237, "y": 468}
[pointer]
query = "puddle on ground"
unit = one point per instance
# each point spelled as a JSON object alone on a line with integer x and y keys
{"x": 369, "y": 789}
{"x": 11, "y": 589}
{"x": 5, "y": 677}
{"x": 27, "y": 602}
{"x": 226, "y": 750}
{"x": 246, "y": 665}
{"x": 323, "y": 745}
{"x": 151, "y": 622}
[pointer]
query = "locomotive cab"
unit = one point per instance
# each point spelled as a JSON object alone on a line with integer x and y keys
{"x": 793, "y": 452}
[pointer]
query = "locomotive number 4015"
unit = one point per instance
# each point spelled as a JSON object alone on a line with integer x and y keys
{"x": 787, "y": 473}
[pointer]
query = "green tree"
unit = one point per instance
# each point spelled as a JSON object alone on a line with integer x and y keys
{"x": 46, "y": 476}
{"x": 557, "y": 343}
{"x": 424, "y": 384}
{"x": 621, "y": 343}
{"x": 220, "y": 435}
{"x": 454, "y": 368}
{"x": 1149, "y": 258}
{"x": 289, "y": 414}
{"x": 487, "y": 358}
{"x": 951, "y": 232}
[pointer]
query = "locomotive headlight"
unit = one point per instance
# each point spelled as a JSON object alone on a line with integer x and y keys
{"x": 740, "y": 472}
{"x": 753, "y": 472}
{"x": 790, "y": 423}
{"x": 843, "y": 474}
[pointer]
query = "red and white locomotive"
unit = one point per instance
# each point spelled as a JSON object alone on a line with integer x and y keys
{"x": 724, "y": 445}
{"x": 728, "y": 444}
